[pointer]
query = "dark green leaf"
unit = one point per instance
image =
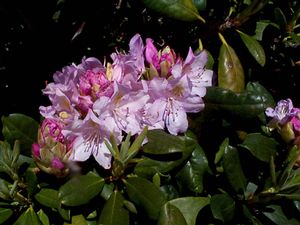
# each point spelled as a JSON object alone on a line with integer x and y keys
{"x": 171, "y": 215}
{"x": 114, "y": 212}
{"x": 81, "y": 189}
{"x": 107, "y": 190}
{"x": 233, "y": 170}
{"x": 48, "y": 197}
{"x": 275, "y": 213}
{"x": 254, "y": 48}
{"x": 191, "y": 175}
{"x": 289, "y": 165}
{"x": 260, "y": 28}
{"x": 20, "y": 127}
{"x": 146, "y": 195}
{"x": 178, "y": 9}
{"x": 292, "y": 183}
{"x": 190, "y": 207}
{"x": 222, "y": 207}
{"x": 246, "y": 105}
{"x": 160, "y": 142}
{"x": 31, "y": 180}
{"x": 28, "y": 217}
{"x": 169, "y": 192}
{"x": 280, "y": 18}
{"x": 230, "y": 69}
{"x": 5, "y": 214}
{"x": 260, "y": 146}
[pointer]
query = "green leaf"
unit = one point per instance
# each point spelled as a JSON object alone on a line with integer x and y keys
{"x": 184, "y": 10}
{"x": 190, "y": 207}
{"x": 280, "y": 18}
{"x": 191, "y": 175}
{"x": 20, "y": 127}
{"x": 233, "y": 170}
{"x": 5, "y": 214}
{"x": 254, "y": 48}
{"x": 222, "y": 207}
{"x": 171, "y": 215}
{"x": 81, "y": 189}
{"x": 136, "y": 145}
{"x": 160, "y": 142}
{"x": 114, "y": 212}
{"x": 247, "y": 105}
{"x": 295, "y": 38}
{"x": 146, "y": 195}
{"x": 77, "y": 220}
{"x": 292, "y": 183}
{"x": 31, "y": 181}
{"x": 28, "y": 217}
{"x": 289, "y": 164}
{"x": 260, "y": 28}
{"x": 107, "y": 190}
{"x": 230, "y": 69}
{"x": 48, "y": 197}
{"x": 43, "y": 217}
{"x": 260, "y": 146}
{"x": 275, "y": 213}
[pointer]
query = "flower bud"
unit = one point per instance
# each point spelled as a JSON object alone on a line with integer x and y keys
{"x": 51, "y": 153}
{"x": 287, "y": 132}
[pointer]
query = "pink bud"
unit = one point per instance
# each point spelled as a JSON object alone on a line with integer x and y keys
{"x": 36, "y": 150}
{"x": 56, "y": 163}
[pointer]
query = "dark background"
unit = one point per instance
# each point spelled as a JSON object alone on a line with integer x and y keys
{"x": 34, "y": 44}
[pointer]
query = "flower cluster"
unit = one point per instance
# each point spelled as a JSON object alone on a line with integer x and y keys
{"x": 144, "y": 87}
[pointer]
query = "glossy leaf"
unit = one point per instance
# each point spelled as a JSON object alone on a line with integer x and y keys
{"x": 233, "y": 170}
{"x": 28, "y": 217}
{"x": 160, "y": 142}
{"x": 20, "y": 127}
{"x": 5, "y": 213}
{"x": 48, "y": 197}
{"x": 81, "y": 189}
{"x": 222, "y": 207}
{"x": 184, "y": 10}
{"x": 171, "y": 215}
{"x": 247, "y": 105}
{"x": 146, "y": 195}
{"x": 230, "y": 69}
{"x": 114, "y": 212}
{"x": 191, "y": 175}
{"x": 254, "y": 48}
{"x": 190, "y": 207}
{"x": 260, "y": 146}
